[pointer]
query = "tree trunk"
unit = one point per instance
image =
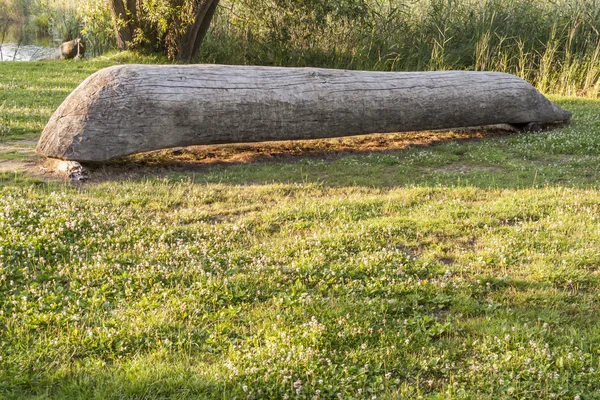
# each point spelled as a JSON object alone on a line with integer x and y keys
{"x": 182, "y": 42}
{"x": 195, "y": 32}
{"x": 124, "y": 20}
{"x": 129, "y": 109}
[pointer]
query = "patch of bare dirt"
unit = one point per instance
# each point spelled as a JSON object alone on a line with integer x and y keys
{"x": 19, "y": 156}
{"x": 251, "y": 152}
{"x": 12, "y": 166}
{"x": 447, "y": 260}
{"x": 25, "y": 147}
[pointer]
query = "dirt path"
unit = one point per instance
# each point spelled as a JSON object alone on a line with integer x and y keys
{"x": 18, "y": 156}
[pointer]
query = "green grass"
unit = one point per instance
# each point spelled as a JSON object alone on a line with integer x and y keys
{"x": 464, "y": 270}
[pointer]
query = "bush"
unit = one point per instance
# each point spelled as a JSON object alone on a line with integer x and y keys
{"x": 97, "y": 26}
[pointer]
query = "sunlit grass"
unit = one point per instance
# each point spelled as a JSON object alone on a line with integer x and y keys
{"x": 274, "y": 289}
{"x": 464, "y": 269}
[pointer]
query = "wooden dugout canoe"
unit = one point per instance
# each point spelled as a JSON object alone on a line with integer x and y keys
{"x": 130, "y": 109}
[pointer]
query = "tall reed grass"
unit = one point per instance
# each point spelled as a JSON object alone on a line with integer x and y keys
{"x": 554, "y": 44}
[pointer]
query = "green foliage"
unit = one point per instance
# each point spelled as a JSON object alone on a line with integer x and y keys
{"x": 50, "y": 22}
{"x": 59, "y": 19}
{"x": 165, "y": 22}
{"x": 175, "y": 28}
{"x": 97, "y": 29}
{"x": 15, "y": 10}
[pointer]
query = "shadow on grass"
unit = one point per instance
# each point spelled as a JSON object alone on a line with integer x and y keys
{"x": 440, "y": 158}
{"x": 319, "y": 161}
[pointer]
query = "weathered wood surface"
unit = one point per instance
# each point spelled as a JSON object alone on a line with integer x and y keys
{"x": 129, "y": 109}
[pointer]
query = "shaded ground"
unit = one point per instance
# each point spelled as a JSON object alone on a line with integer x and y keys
{"x": 19, "y": 156}
{"x": 204, "y": 158}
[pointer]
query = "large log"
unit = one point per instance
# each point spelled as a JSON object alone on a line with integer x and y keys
{"x": 129, "y": 109}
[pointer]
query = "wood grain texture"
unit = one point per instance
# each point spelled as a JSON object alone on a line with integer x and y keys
{"x": 129, "y": 109}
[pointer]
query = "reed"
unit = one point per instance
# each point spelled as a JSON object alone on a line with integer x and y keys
{"x": 553, "y": 44}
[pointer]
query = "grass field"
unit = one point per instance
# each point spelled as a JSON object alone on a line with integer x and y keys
{"x": 467, "y": 269}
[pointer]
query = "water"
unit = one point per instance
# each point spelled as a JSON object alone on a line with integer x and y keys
{"x": 29, "y": 52}
{"x": 17, "y": 44}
